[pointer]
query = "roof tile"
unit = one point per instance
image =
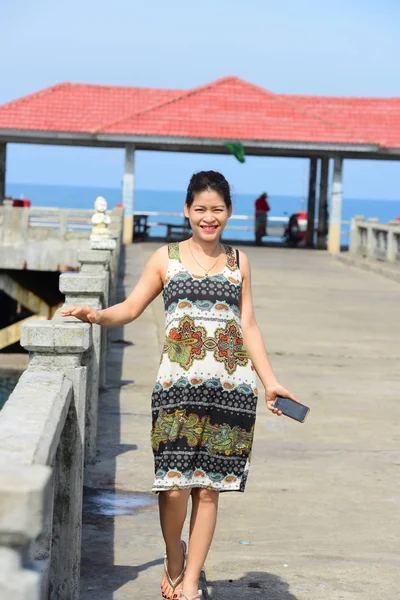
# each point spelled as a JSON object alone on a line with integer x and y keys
{"x": 228, "y": 108}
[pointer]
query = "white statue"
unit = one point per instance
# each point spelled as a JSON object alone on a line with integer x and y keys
{"x": 100, "y": 221}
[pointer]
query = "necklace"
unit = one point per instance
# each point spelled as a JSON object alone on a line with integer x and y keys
{"x": 194, "y": 258}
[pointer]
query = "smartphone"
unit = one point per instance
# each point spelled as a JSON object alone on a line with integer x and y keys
{"x": 292, "y": 409}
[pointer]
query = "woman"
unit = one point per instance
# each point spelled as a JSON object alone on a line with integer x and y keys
{"x": 204, "y": 400}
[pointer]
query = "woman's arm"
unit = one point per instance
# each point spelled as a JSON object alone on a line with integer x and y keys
{"x": 254, "y": 342}
{"x": 147, "y": 288}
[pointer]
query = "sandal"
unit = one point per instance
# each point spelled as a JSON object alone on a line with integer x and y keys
{"x": 198, "y": 596}
{"x": 178, "y": 580}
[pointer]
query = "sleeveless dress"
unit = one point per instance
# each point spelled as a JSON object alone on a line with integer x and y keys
{"x": 204, "y": 400}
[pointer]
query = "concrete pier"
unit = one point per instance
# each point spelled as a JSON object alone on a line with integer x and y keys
{"x": 48, "y": 431}
{"x": 319, "y": 519}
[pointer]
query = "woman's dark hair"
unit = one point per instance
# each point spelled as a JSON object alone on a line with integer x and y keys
{"x": 208, "y": 180}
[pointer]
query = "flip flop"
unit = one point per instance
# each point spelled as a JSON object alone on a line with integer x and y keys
{"x": 177, "y": 581}
{"x": 198, "y": 596}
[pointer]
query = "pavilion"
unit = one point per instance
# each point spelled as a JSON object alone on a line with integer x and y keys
{"x": 203, "y": 119}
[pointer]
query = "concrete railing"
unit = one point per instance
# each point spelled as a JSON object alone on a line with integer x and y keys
{"x": 48, "y": 431}
{"x": 374, "y": 240}
{"x": 19, "y": 224}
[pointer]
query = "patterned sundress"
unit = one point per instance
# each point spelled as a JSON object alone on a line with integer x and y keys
{"x": 204, "y": 400}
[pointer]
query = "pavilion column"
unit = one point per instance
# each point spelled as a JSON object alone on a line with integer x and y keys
{"x": 311, "y": 202}
{"x": 127, "y": 193}
{"x": 323, "y": 205}
{"x": 2, "y": 172}
{"x": 335, "y": 218}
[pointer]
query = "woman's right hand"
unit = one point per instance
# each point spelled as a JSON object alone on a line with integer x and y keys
{"x": 83, "y": 313}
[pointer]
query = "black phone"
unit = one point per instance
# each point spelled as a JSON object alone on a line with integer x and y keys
{"x": 292, "y": 409}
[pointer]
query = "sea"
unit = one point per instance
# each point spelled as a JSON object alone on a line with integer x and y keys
{"x": 172, "y": 201}
{"x": 8, "y": 381}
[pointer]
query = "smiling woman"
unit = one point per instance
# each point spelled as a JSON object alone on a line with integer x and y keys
{"x": 205, "y": 396}
{"x": 208, "y": 207}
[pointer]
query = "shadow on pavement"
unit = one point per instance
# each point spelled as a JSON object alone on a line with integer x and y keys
{"x": 110, "y": 578}
{"x": 103, "y": 502}
{"x": 255, "y": 584}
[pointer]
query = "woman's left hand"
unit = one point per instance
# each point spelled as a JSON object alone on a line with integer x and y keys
{"x": 271, "y": 392}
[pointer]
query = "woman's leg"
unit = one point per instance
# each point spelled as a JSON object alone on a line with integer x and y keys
{"x": 173, "y": 509}
{"x": 202, "y": 526}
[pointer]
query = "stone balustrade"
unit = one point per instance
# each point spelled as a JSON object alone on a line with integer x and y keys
{"x": 48, "y": 431}
{"x": 41, "y": 223}
{"x": 47, "y": 239}
{"x": 373, "y": 240}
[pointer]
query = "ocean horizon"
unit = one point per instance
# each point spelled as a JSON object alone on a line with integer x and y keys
{"x": 73, "y": 196}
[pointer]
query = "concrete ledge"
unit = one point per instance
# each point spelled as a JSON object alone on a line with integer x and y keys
{"x": 17, "y": 583}
{"x": 94, "y": 257}
{"x": 22, "y": 498}
{"x": 41, "y": 255}
{"x": 390, "y": 270}
{"x": 107, "y": 244}
{"x": 82, "y": 284}
{"x": 56, "y": 337}
{"x": 33, "y": 418}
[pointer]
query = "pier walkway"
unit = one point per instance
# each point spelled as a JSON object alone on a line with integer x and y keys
{"x": 320, "y": 516}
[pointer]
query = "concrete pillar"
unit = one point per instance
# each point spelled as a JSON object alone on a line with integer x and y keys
{"x": 311, "y": 202}
{"x": 3, "y": 151}
{"x": 84, "y": 289}
{"x": 127, "y": 193}
{"x": 60, "y": 347}
{"x": 99, "y": 262}
{"x": 16, "y": 582}
{"x": 323, "y": 205}
{"x": 116, "y": 232}
{"x": 23, "y": 492}
{"x": 335, "y": 219}
{"x": 15, "y": 224}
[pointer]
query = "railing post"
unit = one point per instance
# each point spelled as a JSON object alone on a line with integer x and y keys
{"x": 63, "y": 216}
{"x": 60, "y": 347}
{"x": 98, "y": 262}
{"x": 23, "y": 492}
{"x": 371, "y": 237}
{"x": 355, "y": 233}
{"x": 84, "y": 289}
{"x": 393, "y": 241}
{"x": 24, "y": 224}
{"x": 13, "y": 223}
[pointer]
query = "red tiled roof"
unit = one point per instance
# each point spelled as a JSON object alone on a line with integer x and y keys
{"x": 233, "y": 109}
{"x": 378, "y": 118}
{"x": 78, "y": 107}
{"x": 226, "y": 109}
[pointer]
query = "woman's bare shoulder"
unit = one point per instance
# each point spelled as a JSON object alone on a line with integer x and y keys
{"x": 243, "y": 261}
{"x": 161, "y": 252}
{"x": 159, "y": 260}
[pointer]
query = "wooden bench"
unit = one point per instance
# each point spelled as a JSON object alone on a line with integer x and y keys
{"x": 140, "y": 227}
{"x": 178, "y": 232}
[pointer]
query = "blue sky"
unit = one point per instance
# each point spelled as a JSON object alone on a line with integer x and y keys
{"x": 308, "y": 47}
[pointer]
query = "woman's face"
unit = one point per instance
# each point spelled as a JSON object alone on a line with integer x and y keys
{"x": 208, "y": 215}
